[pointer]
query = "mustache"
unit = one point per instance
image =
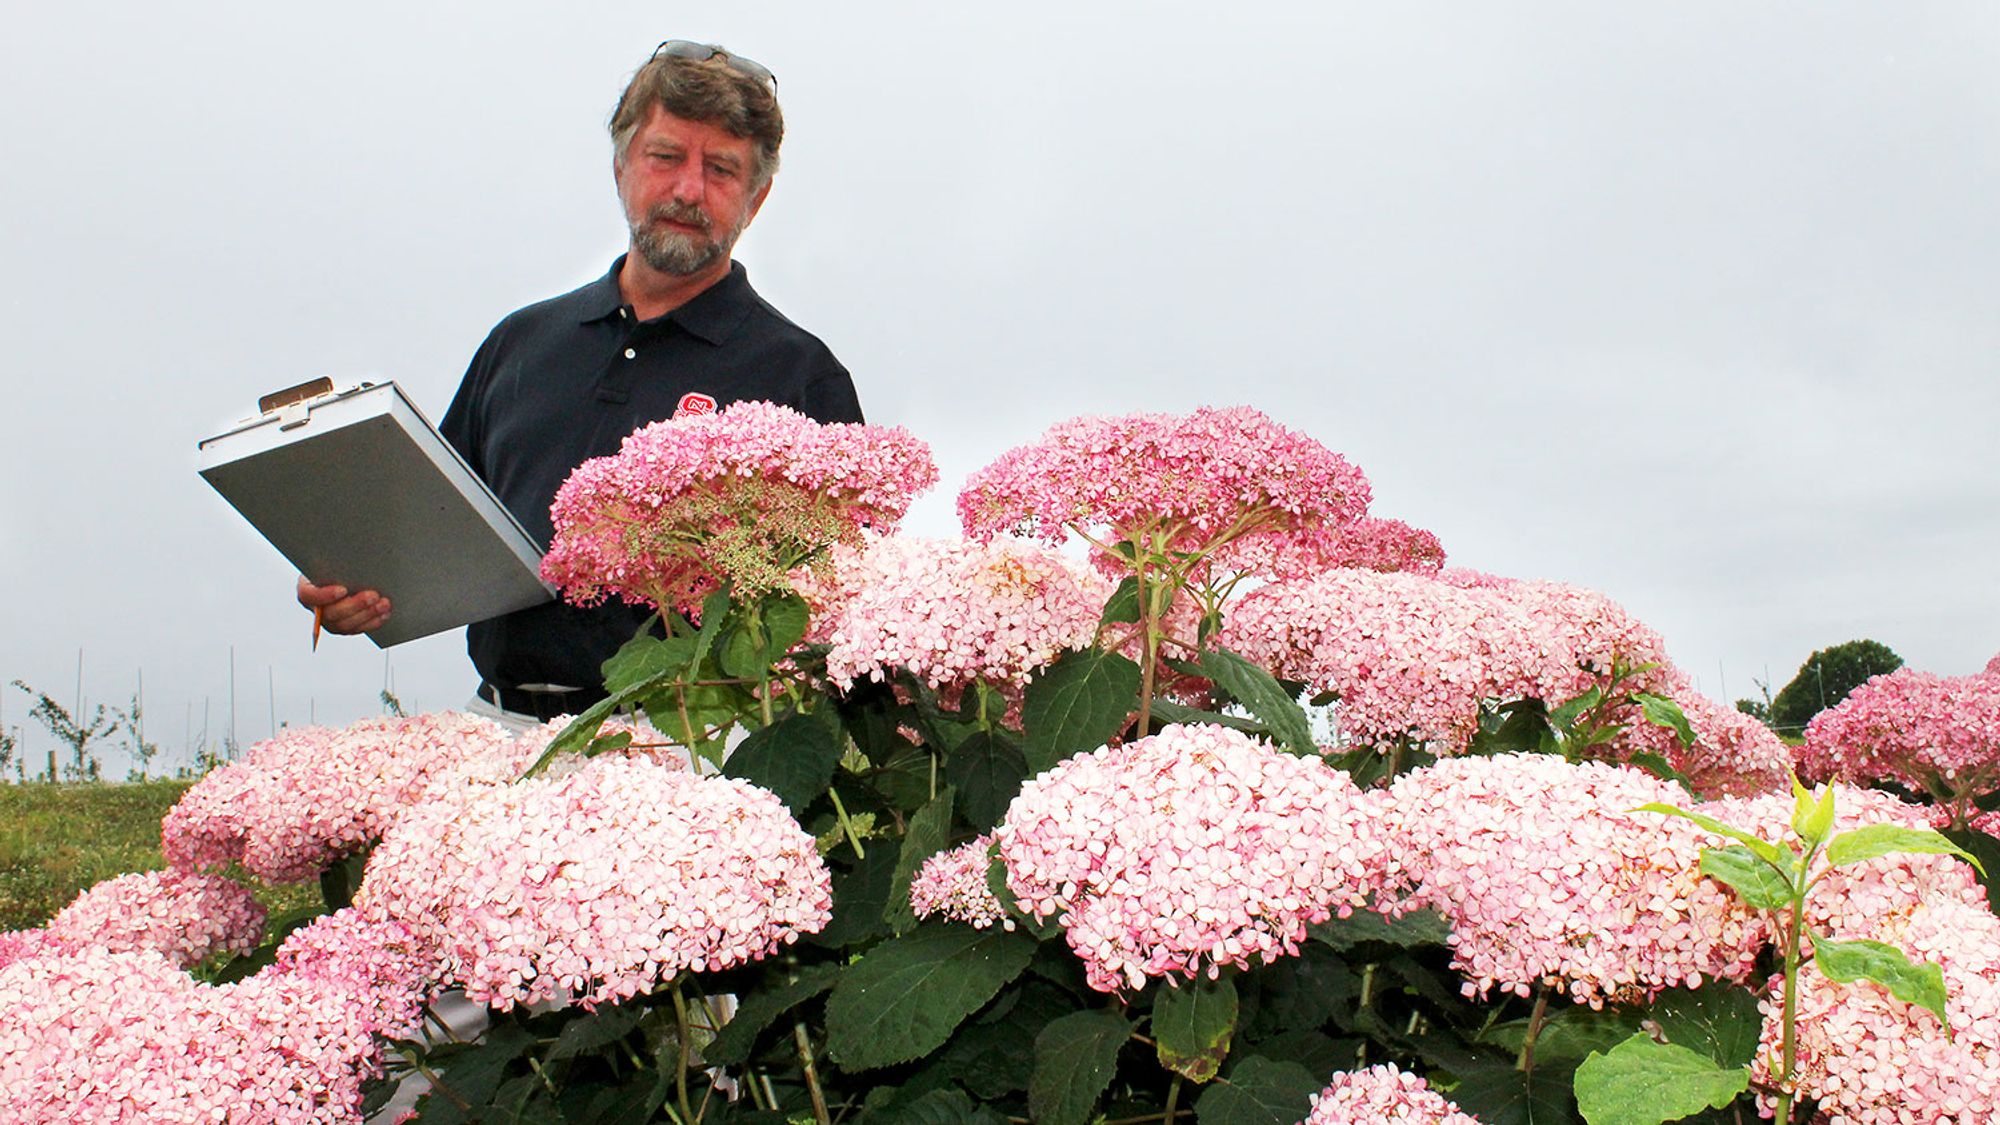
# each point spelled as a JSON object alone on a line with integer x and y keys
{"x": 679, "y": 213}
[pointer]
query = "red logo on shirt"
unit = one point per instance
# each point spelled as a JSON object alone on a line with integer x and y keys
{"x": 694, "y": 403}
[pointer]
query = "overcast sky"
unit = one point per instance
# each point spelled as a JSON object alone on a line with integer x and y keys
{"x": 1696, "y": 304}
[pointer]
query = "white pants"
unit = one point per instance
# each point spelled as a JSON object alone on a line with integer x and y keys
{"x": 512, "y": 720}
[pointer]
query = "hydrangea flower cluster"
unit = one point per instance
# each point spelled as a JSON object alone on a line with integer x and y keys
{"x": 128, "y": 1038}
{"x": 647, "y": 742}
{"x": 1987, "y": 822}
{"x": 1868, "y": 1058}
{"x": 952, "y": 884}
{"x": 599, "y": 884}
{"x": 1383, "y": 1095}
{"x": 375, "y": 962}
{"x": 956, "y": 611}
{"x": 16, "y": 945}
{"x": 1874, "y": 896}
{"x": 1374, "y": 543}
{"x": 1548, "y": 878}
{"x": 1176, "y": 483}
{"x": 1414, "y": 657}
{"x": 298, "y": 802}
{"x": 1934, "y": 734}
{"x": 739, "y": 496}
{"x": 1732, "y": 755}
{"x": 1193, "y": 849}
{"x": 186, "y": 918}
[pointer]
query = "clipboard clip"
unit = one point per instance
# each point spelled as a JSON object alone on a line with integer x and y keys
{"x": 293, "y": 405}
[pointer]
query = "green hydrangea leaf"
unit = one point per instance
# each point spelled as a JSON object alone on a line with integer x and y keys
{"x": 1193, "y": 1022}
{"x": 903, "y": 999}
{"x": 1641, "y": 1082}
{"x": 1913, "y": 982}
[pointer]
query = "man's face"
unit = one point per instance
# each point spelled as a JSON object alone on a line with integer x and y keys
{"x": 688, "y": 190}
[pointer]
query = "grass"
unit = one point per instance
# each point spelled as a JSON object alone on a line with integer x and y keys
{"x": 58, "y": 840}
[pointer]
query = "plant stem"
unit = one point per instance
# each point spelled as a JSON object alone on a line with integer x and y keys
{"x": 1526, "y": 1063}
{"x": 1149, "y": 621}
{"x": 1365, "y": 998}
{"x": 847, "y": 826}
{"x": 438, "y": 1083}
{"x": 681, "y": 1064}
{"x": 804, "y": 1042}
{"x": 687, "y": 722}
{"x": 1791, "y": 1014}
{"x": 1173, "y": 1100}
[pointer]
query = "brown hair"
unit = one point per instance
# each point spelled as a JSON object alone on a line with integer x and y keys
{"x": 710, "y": 91}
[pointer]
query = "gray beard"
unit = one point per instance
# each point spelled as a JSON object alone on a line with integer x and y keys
{"x": 673, "y": 252}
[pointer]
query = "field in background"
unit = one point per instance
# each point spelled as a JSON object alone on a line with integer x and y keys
{"x": 57, "y": 840}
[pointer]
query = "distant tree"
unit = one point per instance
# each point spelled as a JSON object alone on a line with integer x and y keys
{"x": 1825, "y": 679}
{"x": 1758, "y": 709}
{"x": 207, "y": 759}
{"x": 6, "y": 750}
{"x": 143, "y": 752}
{"x": 74, "y": 731}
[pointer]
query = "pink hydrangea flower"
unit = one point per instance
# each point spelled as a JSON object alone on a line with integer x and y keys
{"x": 598, "y": 884}
{"x": 186, "y": 918}
{"x": 648, "y": 742}
{"x": 1229, "y": 480}
{"x": 1383, "y": 1095}
{"x": 1934, "y": 734}
{"x": 1732, "y": 755}
{"x": 956, "y": 611}
{"x": 952, "y": 884}
{"x": 1548, "y": 878}
{"x": 375, "y": 962}
{"x": 739, "y": 496}
{"x": 1874, "y": 894}
{"x": 18, "y": 944}
{"x": 298, "y": 802}
{"x": 1868, "y": 1058}
{"x": 1193, "y": 849}
{"x": 1987, "y": 822}
{"x": 128, "y": 1038}
{"x": 1468, "y": 578}
{"x": 1412, "y": 657}
{"x": 1373, "y": 543}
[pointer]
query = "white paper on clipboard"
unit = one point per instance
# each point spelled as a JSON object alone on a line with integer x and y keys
{"x": 357, "y": 488}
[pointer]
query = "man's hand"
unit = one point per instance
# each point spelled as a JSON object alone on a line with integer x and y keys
{"x": 342, "y": 612}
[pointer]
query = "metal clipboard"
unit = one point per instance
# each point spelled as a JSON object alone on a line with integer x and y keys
{"x": 356, "y": 487}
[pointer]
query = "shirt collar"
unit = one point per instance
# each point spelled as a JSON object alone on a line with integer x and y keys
{"x": 712, "y": 315}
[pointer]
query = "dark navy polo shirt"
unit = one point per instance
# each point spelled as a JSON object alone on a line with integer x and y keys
{"x": 565, "y": 380}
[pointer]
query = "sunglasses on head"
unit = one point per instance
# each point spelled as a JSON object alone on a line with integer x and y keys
{"x": 702, "y": 52}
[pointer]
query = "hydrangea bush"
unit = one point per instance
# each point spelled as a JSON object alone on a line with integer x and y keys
{"x": 1245, "y": 810}
{"x": 1935, "y": 736}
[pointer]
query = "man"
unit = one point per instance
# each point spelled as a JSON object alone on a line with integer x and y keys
{"x": 674, "y": 328}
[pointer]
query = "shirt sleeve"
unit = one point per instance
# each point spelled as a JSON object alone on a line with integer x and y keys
{"x": 462, "y": 419}
{"x": 831, "y": 398}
